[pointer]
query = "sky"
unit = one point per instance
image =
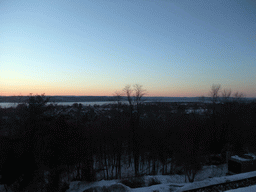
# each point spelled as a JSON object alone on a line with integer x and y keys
{"x": 173, "y": 48}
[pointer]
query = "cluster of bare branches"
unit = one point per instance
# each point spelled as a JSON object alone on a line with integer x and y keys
{"x": 225, "y": 94}
{"x": 135, "y": 94}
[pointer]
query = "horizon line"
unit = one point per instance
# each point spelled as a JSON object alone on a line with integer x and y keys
{"x": 109, "y": 96}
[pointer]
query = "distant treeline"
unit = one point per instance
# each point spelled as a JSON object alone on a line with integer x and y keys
{"x": 15, "y": 99}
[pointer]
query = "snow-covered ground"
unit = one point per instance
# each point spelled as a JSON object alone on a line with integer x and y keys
{"x": 217, "y": 180}
{"x": 79, "y": 186}
{"x": 209, "y": 175}
{"x": 167, "y": 181}
{"x": 174, "y": 182}
{"x": 244, "y": 159}
{"x": 244, "y": 189}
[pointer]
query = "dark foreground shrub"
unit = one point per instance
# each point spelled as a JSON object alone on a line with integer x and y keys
{"x": 134, "y": 182}
{"x": 180, "y": 171}
{"x": 153, "y": 181}
{"x": 64, "y": 187}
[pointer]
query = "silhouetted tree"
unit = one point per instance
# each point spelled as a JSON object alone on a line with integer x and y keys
{"x": 134, "y": 103}
{"x": 214, "y": 93}
{"x": 22, "y": 157}
{"x": 238, "y": 97}
{"x": 193, "y": 143}
{"x": 226, "y": 94}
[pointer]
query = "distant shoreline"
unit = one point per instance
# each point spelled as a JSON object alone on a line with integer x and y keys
{"x": 16, "y": 99}
{"x": 77, "y": 99}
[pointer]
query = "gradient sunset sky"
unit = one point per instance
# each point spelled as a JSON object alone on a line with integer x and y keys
{"x": 175, "y": 48}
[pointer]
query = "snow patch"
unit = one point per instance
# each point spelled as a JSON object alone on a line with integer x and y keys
{"x": 244, "y": 159}
{"x": 217, "y": 180}
{"x": 244, "y": 189}
{"x": 80, "y": 186}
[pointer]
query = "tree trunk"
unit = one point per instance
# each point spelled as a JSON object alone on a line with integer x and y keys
{"x": 106, "y": 165}
{"x": 154, "y": 167}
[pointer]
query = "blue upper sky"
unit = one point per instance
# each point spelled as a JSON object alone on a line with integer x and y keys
{"x": 94, "y": 47}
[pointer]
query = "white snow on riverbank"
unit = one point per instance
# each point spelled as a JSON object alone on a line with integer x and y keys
{"x": 244, "y": 189}
{"x": 209, "y": 175}
{"x": 174, "y": 182}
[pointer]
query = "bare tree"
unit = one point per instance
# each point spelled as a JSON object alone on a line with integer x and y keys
{"x": 238, "y": 96}
{"x": 226, "y": 94}
{"x": 118, "y": 143}
{"x": 214, "y": 93}
{"x": 139, "y": 92}
{"x": 128, "y": 91}
{"x": 134, "y": 98}
{"x": 134, "y": 95}
{"x": 118, "y": 97}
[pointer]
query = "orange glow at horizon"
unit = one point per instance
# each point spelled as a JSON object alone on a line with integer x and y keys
{"x": 66, "y": 93}
{"x": 97, "y": 90}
